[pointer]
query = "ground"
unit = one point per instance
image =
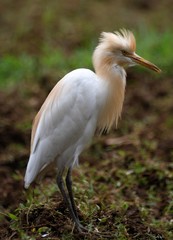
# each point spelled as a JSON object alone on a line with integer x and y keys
{"x": 127, "y": 178}
{"x": 123, "y": 186}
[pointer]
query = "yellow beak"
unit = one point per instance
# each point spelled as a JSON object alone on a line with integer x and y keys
{"x": 142, "y": 61}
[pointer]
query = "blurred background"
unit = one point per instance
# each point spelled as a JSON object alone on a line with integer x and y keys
{"x": 131, "y": 168}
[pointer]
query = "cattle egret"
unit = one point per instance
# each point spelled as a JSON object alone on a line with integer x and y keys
{"x": 81, "y": 102}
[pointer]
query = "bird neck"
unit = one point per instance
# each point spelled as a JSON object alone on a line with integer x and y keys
{"x": 114, "y": 78}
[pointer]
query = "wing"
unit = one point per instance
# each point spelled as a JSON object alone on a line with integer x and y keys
{"x": 62, "y": 119}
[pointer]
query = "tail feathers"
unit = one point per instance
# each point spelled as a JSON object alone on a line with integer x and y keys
{"x": 27, "y": 185}
{"x": 31, "y": 171}
{"x": 36, "y": 167}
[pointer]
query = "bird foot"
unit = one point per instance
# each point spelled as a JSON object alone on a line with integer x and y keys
{"x": 81, "y": 228}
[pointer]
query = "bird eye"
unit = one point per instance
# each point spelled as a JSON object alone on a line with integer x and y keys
{"x": 124, "y": 52}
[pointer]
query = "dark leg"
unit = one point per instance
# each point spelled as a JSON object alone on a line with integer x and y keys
{"x": 70, "y": 191}
{"x": 67, "y": 200}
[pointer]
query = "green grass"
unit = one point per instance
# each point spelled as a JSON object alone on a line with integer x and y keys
{"x": 151, "y": 44}
{"x": 155, "y": 47}
{"x": 14, "y": 69}
{"x": 98, "y": 199}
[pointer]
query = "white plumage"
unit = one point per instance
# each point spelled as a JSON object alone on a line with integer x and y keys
{"x": 67, "y": 123}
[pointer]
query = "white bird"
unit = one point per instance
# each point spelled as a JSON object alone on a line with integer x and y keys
{"x": 81, "y": 102}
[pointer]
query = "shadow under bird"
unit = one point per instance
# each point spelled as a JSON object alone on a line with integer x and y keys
{"x": 81, "y": 102}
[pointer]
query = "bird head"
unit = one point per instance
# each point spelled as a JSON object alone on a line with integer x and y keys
{"x": 119, "y": 48}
